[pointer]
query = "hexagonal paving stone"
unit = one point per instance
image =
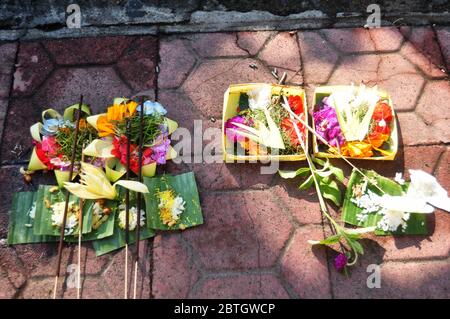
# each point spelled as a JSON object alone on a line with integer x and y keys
{"x": 414, "y": 131}
{"x": 114, "y": 275}
{"x": 251, "y": 286}
{"x": 433, "y": 108}
{"x": 174, "y": 270}
{"x": 442, "y": 172}
{"x": 282, "y": 51}
{"x": 305, "y": 267}
{"x": 242, "y": 230}
{"x": 216, "y": 44}
{"x": 99, "y": 86}
{"x": 177, "y": 60}
{"x": 350, "y": 40}
{"x": 386, "y": 38}
{"x": 252, "y": 42}
{"x": 318, "y": 56}
{"x": 7, "y": 290}
{"x": 12, "y": 266}
{"x": 138, "y": 63}
{"x": 398, "y": 280}
{"x": 98, "y": 50}
{"x": 33, "y": 67}
{"x": 17, "y": 142}
{"x": 404, "y": 90}
{"x": 356, "y": 69}
{"x": 214, "y": 76}
{"x": 7, "y": 59}
{"x": 421, "y": 60}
{"x": 304, "y": 206}
{"x": 222, "y": 176}
{"x": 425, "y": 41}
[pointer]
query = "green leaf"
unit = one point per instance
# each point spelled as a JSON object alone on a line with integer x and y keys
{"x": 338, "y": 173}
{"x": 43, "y": 223}
{"x": 303, "y": 171}
{"x": 243, "y": 101}
{"x": 307, "y": 183}
{"x": 183, "y": 185}
{"x": 416, "y": 224}
{"x": 318, "y": 161}
{"x": 330, "y": 190}
{"x": 21, "y": 224}
{"x": 334, "y": 239}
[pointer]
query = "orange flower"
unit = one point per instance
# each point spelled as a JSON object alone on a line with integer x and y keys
{"x": 357, "y": 149}
{"x": 377, "y": 139}
{"x": 115, "y": 113}
{"x": 252, "y": 147}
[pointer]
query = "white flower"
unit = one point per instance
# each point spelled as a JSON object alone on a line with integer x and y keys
{"x": 426, "y": 187}
{"x": 392, "y": 219}
{"x": 58, "y": 216}
{"x": 177, "y": 207}
{"x": 260, "y": 97}
{"x": 132, "y": 218}
{"x": 399, "y": 178}
{"x": 369, "y": 202}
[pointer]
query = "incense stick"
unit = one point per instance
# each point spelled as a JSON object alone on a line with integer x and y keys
{"x": 66, "y": 206}
{"x": 127, "y": 210}
{"x": 139, "y": 195}
{"x": 80, "y": 234}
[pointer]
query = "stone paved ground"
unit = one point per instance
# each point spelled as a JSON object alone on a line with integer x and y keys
{"x": 253, "y": 243}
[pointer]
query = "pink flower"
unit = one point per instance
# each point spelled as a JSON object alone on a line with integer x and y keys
{"x": 50, "y": 146}
{"x": 231, "y": 135}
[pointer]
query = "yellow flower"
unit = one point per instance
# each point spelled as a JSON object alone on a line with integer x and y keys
{"x": 170, "y": 207}
{"x": 95, "y": 185}
{"x": 115, "y": 113}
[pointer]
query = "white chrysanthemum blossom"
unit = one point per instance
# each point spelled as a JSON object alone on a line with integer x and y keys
{"x": 392, "y": 219}
{"x": 132, "y": 217}
{"x": 177, "y": 207}
{"x": 260, "y": 97}
{"x": 426, "y": 187}
{"x": 58, "y": 216}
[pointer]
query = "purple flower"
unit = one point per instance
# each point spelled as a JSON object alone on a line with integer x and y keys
{"x": 327, "y": 125}
{"x": 159, "y": 150}
{"x": 340, "y": 262}
{"x": 233, "y": 136}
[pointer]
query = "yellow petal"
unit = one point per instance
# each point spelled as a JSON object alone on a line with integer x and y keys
{"x": 81, "y": 191}
{"x": 133, "y": 186}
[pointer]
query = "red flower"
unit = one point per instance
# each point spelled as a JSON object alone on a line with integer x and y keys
{"x": 296, "y": 104}
{"x": 120, "y": 152}
{"x": 43, "y": 156}
{"x": 382, "y": 112}
{"x": 288, "y": 127}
